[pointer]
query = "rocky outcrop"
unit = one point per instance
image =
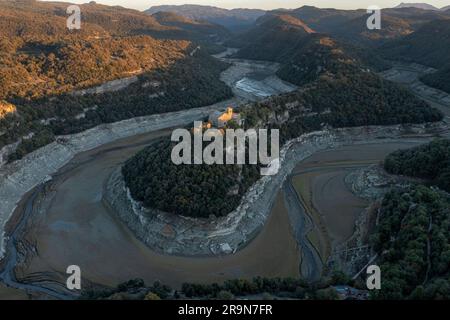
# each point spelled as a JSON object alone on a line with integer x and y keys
{"x": 172, "y": 234}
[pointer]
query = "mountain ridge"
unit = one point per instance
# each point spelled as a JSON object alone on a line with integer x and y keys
{"x": 234, "y": 19}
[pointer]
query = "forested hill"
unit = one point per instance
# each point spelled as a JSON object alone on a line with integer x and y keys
{"x": 38, "y": 19}
{"x": 304, "y": 54}
{"x": 274, "y": 37}
{"x": 202, "y": 190}
{"x": 199, "y": 30}
{"x": 351, "y": 25}
{"x": 412, "y": 240}
{"x": 43, "y": 62}
{"x": 234, "y": 20}
{"x": 41, "y": 56}
{"x": 439, "y": 80}
{"x": 430, "y": 45}
{"x": 430, "y": 161}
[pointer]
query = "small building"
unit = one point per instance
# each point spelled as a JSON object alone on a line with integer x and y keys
{"x": 220, "y": 119}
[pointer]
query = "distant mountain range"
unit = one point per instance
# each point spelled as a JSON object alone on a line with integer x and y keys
{"x": 429, "y": 45}
{"x": 196, "y": 29}
{"x": 348, "y": 25}
{"x": 234, "y": 20}
{"x": 309, "y": 41}
{"x": 423, "y": 6}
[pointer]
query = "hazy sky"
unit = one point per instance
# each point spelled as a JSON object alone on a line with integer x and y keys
{"x": 264, "y": 4}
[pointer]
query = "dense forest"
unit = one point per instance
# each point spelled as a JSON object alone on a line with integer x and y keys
{"x": 43, "y": 64}
{"x": 429, "y": 45}
{"x": 430, "y": 161}
{"x": 412, "y": 240}
{"x": 340, "y": 101}
{"x": 193, "y": 190}
{"x": 161, "y": 90}
{"x": 188, "y": 190}
{"x": 269, "y": 288}
{"x": 439, "y": 79}
{"x": 303, "y": 54}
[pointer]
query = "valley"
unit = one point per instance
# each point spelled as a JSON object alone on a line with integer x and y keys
{"x": 87, "y": 177}
{"x": 77, "y": 174}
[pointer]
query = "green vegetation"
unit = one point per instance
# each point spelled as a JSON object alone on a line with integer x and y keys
{"x": 430, "y": 161}
{"x": 43, "y": 63}
{"x": 412, "y": 238}
{"x": 352, "y": 100}
{"x": 413, "y": 244}
{"x": 345, "y": 101}
{"x": 134, "y": 289}
{"x": 36, "y": 141}
{"x": 439, "y": 80}
{"x": 429, "y": 45}
{"x": 188, "y": 190}
{"x": 279, "y": 287}
{"x": 258, "y": 286}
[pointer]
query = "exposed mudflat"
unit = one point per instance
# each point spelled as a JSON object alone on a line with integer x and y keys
{"x": 12, "y": 294}
{"x": 74, "y": 227}
{"x": 254, "y": 80}
{"x": 332, "y": 198}
{"x": 332, "y": 208}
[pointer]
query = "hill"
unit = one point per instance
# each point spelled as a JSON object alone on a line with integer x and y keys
{"x": 412, "y": 240}
{"x": 439, "y": 80}
{"x": 43, "y": 63}
{"x": 430, "y": 161}
{"x": 423, "y": 6}
{"x": 429, "y": 45}
{"x": 304, "y": 55}
{"x": 337, "y": 101}
{"x": 274, "y": 37}
{"x": 235, "y": 19}
{"x": 350, "y": 25}
{"x": 199, "y": 30}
